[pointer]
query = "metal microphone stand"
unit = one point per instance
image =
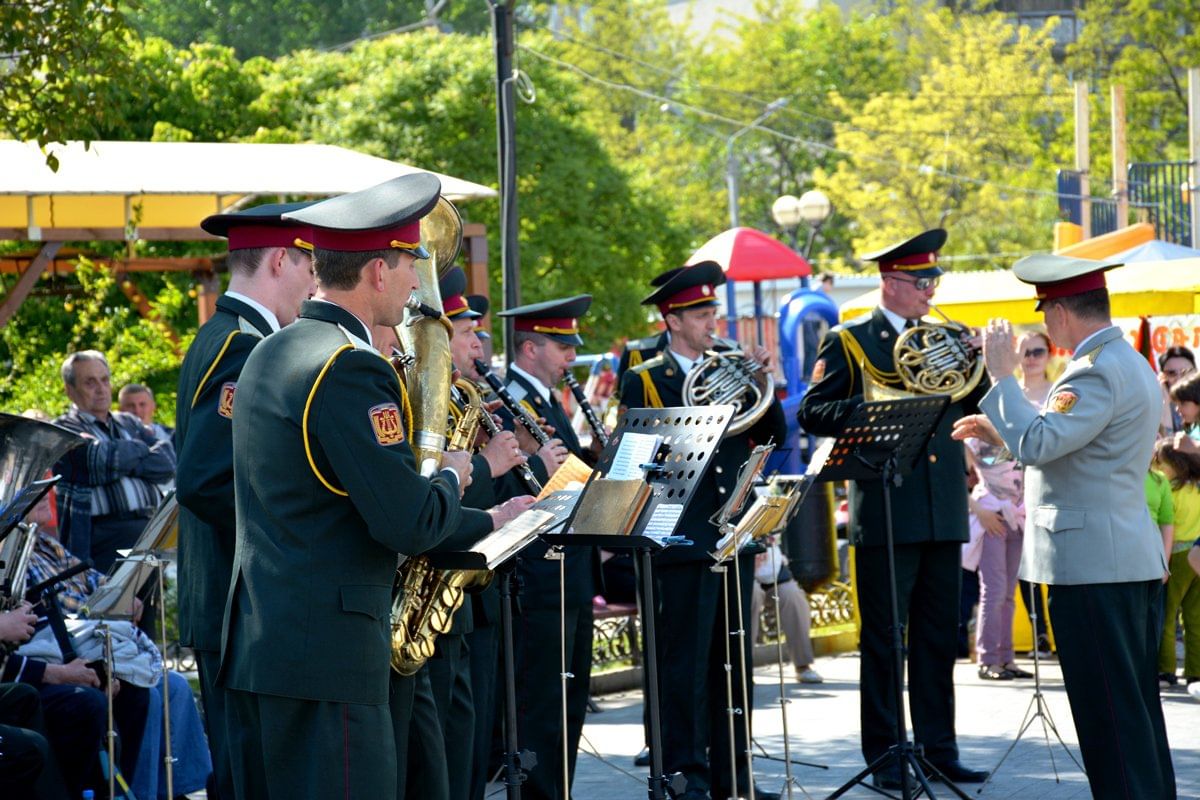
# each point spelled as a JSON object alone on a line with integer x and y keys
{"x": 1037, "y": 709}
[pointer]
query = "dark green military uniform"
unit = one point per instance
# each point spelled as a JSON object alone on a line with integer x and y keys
{"x": 327, "y": 495}
{"x": 689, "y": 600}
{"x": 204, "y": 488}
{"x": 204, "y": 474}
{"x": 639, "y": 351}
{"x": 930, "y": 524}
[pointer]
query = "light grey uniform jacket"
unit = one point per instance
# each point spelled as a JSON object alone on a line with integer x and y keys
{"x": 1086, "y": 454}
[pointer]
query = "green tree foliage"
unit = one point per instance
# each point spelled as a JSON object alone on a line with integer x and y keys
{"x": 1147, "y": 47}
{"x": 44, "y": 49}
{"x": 971, "y": 148}
{"x": 427, "y": 98}
{"x": 94, "y": 316}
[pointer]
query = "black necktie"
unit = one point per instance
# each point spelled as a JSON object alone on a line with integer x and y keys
{"x": 910, "y": 323}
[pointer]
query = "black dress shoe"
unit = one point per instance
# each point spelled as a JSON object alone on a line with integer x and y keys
{"x": 642, "y": 759}
{"x": 957, "y": 772}
{"x": 889, "y": 778}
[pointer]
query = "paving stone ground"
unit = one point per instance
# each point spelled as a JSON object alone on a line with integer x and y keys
{"x": 823, "y": 728}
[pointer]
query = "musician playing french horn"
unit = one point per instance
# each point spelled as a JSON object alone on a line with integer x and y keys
{"x": 695, "y": 732}
{"x": 858, "y": 358}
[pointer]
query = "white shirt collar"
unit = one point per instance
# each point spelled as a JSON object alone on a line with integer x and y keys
{"x": 1082, "y": 346}
{"x": 267, "y": 314}
{"x": 537, "y": 385}
{"x": 685, "y": 363}
{"x": 898, "y": 322}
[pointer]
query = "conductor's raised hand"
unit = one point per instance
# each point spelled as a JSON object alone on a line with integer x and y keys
{"x": 1000, "y": 350}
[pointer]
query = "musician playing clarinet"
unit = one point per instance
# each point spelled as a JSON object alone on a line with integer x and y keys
{"x": 543, "y": 348}
{"x": 930, "y": 513}
{"x": 694, "y": 626}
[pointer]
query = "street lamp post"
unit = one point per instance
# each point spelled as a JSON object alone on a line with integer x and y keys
{"x": 732, "y": 168}
{"x": 813, "y": 207}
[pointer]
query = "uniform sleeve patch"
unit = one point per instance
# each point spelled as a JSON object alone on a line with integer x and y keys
{"x": 385, "y": 422}
{"x": 225, "y": 403}
{"x": 818, "y": 371}
{"x": 1062, "y": 402}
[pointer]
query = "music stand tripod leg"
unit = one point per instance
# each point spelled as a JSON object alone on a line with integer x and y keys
{"x": 658, "y": 782}
{"x": 514, "y": 760}
{"x": 746, "y": 680}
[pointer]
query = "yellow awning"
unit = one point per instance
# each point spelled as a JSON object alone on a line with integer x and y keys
{"x": 161, "y": 190}
{"x": 1107, "y": 244}
{"x": 1150, "y": 287}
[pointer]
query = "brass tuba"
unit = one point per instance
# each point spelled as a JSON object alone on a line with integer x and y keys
{"x": 731, "y": 377}
{"x": 427, "y": 598}
{"x": 931, "y": 358}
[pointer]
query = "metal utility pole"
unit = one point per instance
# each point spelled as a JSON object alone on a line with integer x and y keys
{"x": 1194, "y": 152}
{"x": 506, "y": 156}
{"x": 1083, "y": 157}
{"x": 1120, "y": 167}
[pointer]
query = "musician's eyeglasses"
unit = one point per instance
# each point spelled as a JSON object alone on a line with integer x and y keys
{"x": 920, "y": 284}
{"x": 1175, "y": 373}
{"x": 1036, "y": 352}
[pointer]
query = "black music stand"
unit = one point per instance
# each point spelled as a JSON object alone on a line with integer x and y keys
{"x": 690, "y": 437}
{"x": 555, "y": 507}
{"x": 883, "y": 441}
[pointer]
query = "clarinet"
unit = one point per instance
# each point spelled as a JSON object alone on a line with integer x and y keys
{"x": 516, "y": 409}
{"x": 523, "y": 471}
{"x": 589, "y": 413}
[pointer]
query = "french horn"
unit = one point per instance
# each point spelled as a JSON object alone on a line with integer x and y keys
{"x": 731, "y": 377}
{"x": 931, "y": 358}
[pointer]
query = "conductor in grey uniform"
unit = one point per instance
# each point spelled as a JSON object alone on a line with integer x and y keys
{"x": 1089, "y": 534}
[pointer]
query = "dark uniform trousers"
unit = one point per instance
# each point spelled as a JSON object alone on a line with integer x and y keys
{"x": 422, "y": 774}
{"x": 930, "y": 614}
{"x": 355, "y": 763}
{"x": 27, "y": 764}
{"x": 1107, "y": 637}
{"x": 692, "y": 640}
{"x": 483, "y": 652}
{"x": 450, "y": 680}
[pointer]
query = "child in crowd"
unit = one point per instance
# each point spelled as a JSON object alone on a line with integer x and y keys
{"x": 1183, "y": 585}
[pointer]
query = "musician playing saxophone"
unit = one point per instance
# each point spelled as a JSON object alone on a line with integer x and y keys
{"x": 440, "y": 757}
{"x": 692, "y": 648}
{"x": 328, "y": 492}
{"x": 930, "y": 513}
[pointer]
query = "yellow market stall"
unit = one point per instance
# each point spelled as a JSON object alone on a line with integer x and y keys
{"x": 1149, "y": 288}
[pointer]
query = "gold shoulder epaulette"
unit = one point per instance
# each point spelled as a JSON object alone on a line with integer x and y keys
{"x": 649, "y": 363}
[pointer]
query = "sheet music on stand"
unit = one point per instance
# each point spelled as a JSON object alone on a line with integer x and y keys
{"x": 736, "y": 536}
{"x": 774, "y": 506}
{"x": 511, "y": 538}
{"x": 114, "y": 598}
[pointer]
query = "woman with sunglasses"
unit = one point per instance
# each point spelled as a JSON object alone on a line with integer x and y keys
{"x": 1036, "y": 378}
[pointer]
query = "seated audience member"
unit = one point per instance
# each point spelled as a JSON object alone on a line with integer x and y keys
{"x": 27, "y": 765}
{"x": 795, "y": 617}
{"x": 109, "y": 488}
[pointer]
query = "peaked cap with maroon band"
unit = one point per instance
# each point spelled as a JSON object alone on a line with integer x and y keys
{"x": 558, "y": 319}
{"x": 453, "y": 288}
{"x": 916, "y": 256}
{"x": 385, "y": 216}
{"x": 479, "y": 304}
{"x": 688, "y": 287}
{"x": 261, "y": 226}
{"x": 1061, "y": 276}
